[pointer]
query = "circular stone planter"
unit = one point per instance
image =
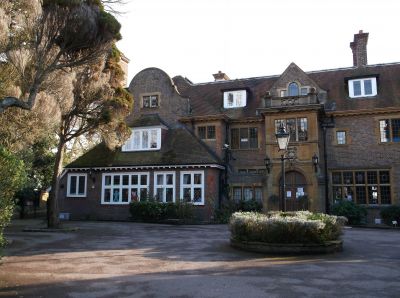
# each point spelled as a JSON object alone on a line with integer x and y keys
{"x": 288, "y": 248}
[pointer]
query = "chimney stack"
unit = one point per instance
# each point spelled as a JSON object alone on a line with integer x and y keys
{"x": 359, "y": 48}
{"x": 220, "y": 76}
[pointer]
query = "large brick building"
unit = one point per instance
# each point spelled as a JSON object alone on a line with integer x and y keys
{"x": 214, "y": 141}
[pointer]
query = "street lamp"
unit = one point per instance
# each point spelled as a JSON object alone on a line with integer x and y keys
{"x": 268, "y": 164}
{"x": 283, "y": 137}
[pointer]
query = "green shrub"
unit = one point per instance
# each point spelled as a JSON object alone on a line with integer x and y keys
{"x": 154, "y": 211}
{"x": 390, "y": 214}
{"x": 12, "y": 175}
{"x": 223, "y": 214}
{"x": 355, "y": 214}
{"x": 278, "y": 227}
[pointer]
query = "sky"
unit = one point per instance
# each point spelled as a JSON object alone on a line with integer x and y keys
{"x": 251, "y": 38}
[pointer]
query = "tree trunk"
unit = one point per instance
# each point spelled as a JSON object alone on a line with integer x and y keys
{"x": 53, "y": 220}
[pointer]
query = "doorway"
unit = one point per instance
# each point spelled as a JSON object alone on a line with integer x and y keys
{"x": 296, "y": 191}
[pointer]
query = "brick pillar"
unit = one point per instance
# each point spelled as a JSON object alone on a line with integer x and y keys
{"x": 359, "y": 48}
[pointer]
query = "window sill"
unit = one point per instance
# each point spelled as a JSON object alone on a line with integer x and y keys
{"x": 248, "y": 149}
{"x": 75, "y": 196}
{"x": 116, "y": 203}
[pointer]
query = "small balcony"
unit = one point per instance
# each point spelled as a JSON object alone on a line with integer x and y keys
{"x": 288, "y": 101}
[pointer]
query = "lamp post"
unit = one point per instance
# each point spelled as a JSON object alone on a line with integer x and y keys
{"x": 282, "y": 137}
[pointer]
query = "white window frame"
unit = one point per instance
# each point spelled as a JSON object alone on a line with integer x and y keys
{"x": 239, "y": 99}
{"x": 192, "y": 186}
{"x": 76, "y": 195}
{"x": 164, "y": 186}
{"x": 373, "y": 87}
{"x": 129, "y": 144}
{"x": 121, "y": 186}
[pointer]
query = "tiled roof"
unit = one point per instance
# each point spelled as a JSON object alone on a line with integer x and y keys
{"x": 179, "y": 147}
{"x": 146, "y": 120}
{"x": 207, "y": 98}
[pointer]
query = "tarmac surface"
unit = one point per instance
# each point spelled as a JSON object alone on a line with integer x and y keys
{"x": 124, "y": 259}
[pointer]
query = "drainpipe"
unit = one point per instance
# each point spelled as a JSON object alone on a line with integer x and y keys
{"x": 327, "y": 202}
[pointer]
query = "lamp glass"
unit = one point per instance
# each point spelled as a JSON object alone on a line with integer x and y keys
{"x": 282, "y": 137}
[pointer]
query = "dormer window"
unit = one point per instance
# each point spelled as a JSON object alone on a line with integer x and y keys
{"x": 150, "y": 101}
{"x": 143, "y": 139}
{"x": 362, "y": 87}
{"x": 235, "y": 99}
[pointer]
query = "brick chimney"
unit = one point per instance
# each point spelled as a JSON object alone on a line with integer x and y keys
{"x": 220, "y": 76}
{"x": 359, "y": 48}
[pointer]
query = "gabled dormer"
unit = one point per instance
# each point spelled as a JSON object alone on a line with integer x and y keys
{"x": 294, "y": 87}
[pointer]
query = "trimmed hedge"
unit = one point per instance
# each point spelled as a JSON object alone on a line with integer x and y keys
{"x": 289, "y": 227}
{"x": 154, "y": 211}
{"x": 390, "y": 214}
{"x": 354, "y": 213}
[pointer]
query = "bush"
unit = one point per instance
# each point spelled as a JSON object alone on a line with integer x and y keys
{"x": 355, "y": 214}
{"x": 12, "y": 175}
{"x": 154, "y": 211}
{"x": 294, "y": 227}
{"x": 390, "y": 214}
{"x": 223, "y": 214}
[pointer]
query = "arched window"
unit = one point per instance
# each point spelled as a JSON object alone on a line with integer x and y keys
{"x": 293, "y": 89}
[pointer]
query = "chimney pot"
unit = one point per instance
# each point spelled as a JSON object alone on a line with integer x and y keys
{"x": 220, "y": 76}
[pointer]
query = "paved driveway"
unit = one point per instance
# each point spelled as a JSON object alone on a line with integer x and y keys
{"x": 113, "y": 259}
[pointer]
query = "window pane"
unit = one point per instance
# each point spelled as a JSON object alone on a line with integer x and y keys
{"x": 293, "y": 89}
{"x": 360, "y": 178}
{"x": 258, "y": 193}
{"x": 252, "y": 171}
{"x": 341, "y": 137}
{"x": 72, "y": 185}
{"x": 210, "y": 132}
{"x": 396, "y": 130}
{"x": 197, "y": 179}
{"x": 372, "y": 177}
{"x": 244, "y": 138}
{"x": 361, "y": 195}
{"x": 143, "y": 194}
{"x": 337, "y": 178}
{"x": 146, "y": 101}
{"x": 367, "y": 87}
{"x": 247, "y": 193}
{"x": 125, "y": 195}
{"x": 384, "y": 130}
{"x": 348, "y": 177}
{"x": 143, "y": 179}
{"x": 385, "y": 195}
{"x": 237, "y": 193}
{"x": 125, "y": 180}
{"x": 81, "y": 185}
{"x": 384, "y": 177}
{"x": 201, "y": 130}
{"x": 107, "y": 180}
{"x": 187, "y": 197}
{"x": 253, "y": 137}
{"x": 116, "y": 179}
{"x": 136, "y": 140}
{"x": 134, "y": 180}
{"x": 134, "y": 195}
{"x": 154, "y": 101}
{"x": 278, "y": 124}
{"x": 337, "y": 193}
{"x": 291, "y": 129}
{"x": 235, "y": 138}
{"x": 242, "y": 171}
{"x": 197, "y": 195}
{"x": 169, "y": 195}
{"x": 302, "y": 128}
{"x": 373, "y": 194}
{"x": 160, "y": 194}
{"x": 116, "y": 195}
{"x": 348, "y": 193}
{"x": 304, "y": 91}
{"x": 145, "y": 139}
{"x": 187, "y": 179}
{"x": 160, "y": 179}
{"x": 169, "y": 179}
{"x": 153, "y": 138}
{"x": 357, "y": 88}
{"x": 107, "y": 195}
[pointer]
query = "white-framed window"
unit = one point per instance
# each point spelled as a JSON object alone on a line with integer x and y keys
{"x": 192, "y": 187}
{"x": 143, "y": 139}
{"x": 341, "y": 137}
{"x": 76, "y": 185}
{"x": 150, "y": 101}
{"x": 164, "y": 186}
{"x": 235, "y": 99}
{"x": 122, "y": 188}
{"x": 362, "y": 87}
